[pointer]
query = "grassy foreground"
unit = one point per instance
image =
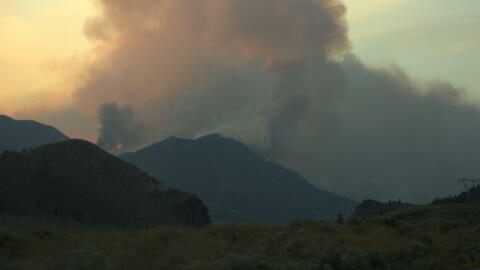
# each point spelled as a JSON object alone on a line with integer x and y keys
{"x": 440, "y": 237}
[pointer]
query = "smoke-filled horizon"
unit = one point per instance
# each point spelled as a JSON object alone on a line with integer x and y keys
{"x": 278, "y": 75}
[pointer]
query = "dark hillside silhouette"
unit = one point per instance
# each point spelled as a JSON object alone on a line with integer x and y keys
{"x": 78, "y": 181}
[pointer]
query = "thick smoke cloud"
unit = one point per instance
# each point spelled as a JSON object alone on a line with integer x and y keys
{"x": 277, "y": 75}
{"x": 187, "y": 67}
{"x": 119, "y": 128}
{"x": 392, "y": 138}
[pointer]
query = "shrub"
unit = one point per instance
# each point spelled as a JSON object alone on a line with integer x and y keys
{"x": 279, "y": 236}
{"x": 425, "y": 264}
{"x": 414, "y": 250}
{"x": 377, "y": 258}
{"x": 12, "y": 246}
{"x": 463, "y": 258}
{"x": 327, "y": 228}
{"x": 301, "y": 247}
{"x": 298, "y": 265}
{"x": 294, "y": 223}
{"x": 173, "y": 262}
{"x": 426, "y": 239}
{"x": 449, "y": 226}
{"x": 128, "y": 259}
{"x": 406, "y": 229}
{"x": 6, "y": 264}
{"x": 345, "y": 258}
{"x": 243, "y": 262}
{"x": 355, "y": 221}
{"x": 354, "y": 260}
{"x": 5, "y": 238}
{"x": 86, "y": 259}
{"x": 390, "y": 222}
{"x": 44, "y": 235}
{"x": 302, "y": 223}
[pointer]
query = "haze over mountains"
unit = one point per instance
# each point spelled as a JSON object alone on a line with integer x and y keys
{"x": 16, "y": 135}
{"x": 224, "y": 172}
{"x": 77, "y": 181}
{"x": 282, "y": 80}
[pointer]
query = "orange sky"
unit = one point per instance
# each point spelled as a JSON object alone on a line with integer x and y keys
{"x": 37, "y": 47}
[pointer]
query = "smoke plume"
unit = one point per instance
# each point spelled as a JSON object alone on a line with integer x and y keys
{"x": 119, "y": 129}
{"x": 277, "y": 75}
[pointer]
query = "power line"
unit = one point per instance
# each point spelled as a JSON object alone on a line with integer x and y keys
{"x": 469, "y": 183}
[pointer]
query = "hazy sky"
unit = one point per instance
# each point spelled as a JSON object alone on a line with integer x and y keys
{"x": 421, "y": 36}
{"x": 38, "y": 40}
{"x": 41, "y": 43}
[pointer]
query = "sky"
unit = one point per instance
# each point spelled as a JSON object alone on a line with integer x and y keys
{"x": 347, "y": 97}
{"x": 35, "y": 35}
{"x": 421, "y": 36}
{"x": 39, "y": 38}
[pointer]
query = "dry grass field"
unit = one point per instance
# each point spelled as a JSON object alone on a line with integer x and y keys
{"x": 430, "y": 237}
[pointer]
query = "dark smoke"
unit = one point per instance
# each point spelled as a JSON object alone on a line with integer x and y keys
{"x": 119, "y": 130}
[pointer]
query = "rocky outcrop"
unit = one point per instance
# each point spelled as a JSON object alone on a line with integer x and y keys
{"x": 78, "y": 181}
{"x": 16, "y": 135}
{"x": 371, "y": 208}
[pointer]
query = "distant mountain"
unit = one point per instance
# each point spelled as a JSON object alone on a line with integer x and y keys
{"x": 224, "y": 172}
{"x": 16, "y": 135}
{"x": 78, "y": 181}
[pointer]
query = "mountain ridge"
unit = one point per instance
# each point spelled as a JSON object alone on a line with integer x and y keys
{"x": 17, "y": 135}
{"x": 225, "y": 172}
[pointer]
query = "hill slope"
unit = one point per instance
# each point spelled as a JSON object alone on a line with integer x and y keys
{"x": 16, "y": 135}
{"x": 371, "y": 208}
{"x": 472, "y": 196}
{"x": 225, "y": 172}
{"x": 78, "y": 181}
